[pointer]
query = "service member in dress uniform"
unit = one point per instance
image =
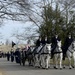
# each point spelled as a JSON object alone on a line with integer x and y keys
{"x": 8, "y": 56}
{"x": 67, "y": 43}
{"x": 54, "y": 43}
{"x": 12, "y": 55}
{"x": 37, "y": 44}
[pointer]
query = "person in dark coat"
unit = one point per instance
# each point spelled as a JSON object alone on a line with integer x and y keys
{"x": 17, "y": 55}
{"x": 24, "y": 55}
{"x": 8, "y": 56}
{"x": 37, "y": 44}
{"x": 44, "y": 41}
{"x": 67, "y": 43}
{"x": 54, "y": 43}
{"x": 12, "y": 56}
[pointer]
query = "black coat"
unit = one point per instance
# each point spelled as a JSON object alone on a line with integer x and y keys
{"x": 45, "y": 41}
{"x": 12, "y": 56}
{"x": 38, "y": 42}
{"x": 12, "y": 53}
{"x": 17, "y": 56}
{"x": 67, "y": 43}
{"x": 8, "y": 56}
{"x": 54, "y": 42}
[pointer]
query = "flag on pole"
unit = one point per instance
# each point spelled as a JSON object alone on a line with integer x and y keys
{"x": 13, "y": 44}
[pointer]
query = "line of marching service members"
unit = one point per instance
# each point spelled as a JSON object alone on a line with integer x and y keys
{"x": 27, "y": 54}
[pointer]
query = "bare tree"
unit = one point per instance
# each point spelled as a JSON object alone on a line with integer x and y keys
{"x": 14, "y": 9}
{"x": 27, "y": 33}
{"x": 17, "y": 10}
{"x": 66, "y": 8}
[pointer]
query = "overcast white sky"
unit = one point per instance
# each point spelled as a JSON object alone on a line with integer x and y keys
{"x": 10, "y": 27}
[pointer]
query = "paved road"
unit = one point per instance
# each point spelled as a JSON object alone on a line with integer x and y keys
{"x": 9, "y": 68}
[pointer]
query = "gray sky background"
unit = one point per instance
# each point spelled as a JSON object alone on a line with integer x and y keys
{"x": 9, "y": 28}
